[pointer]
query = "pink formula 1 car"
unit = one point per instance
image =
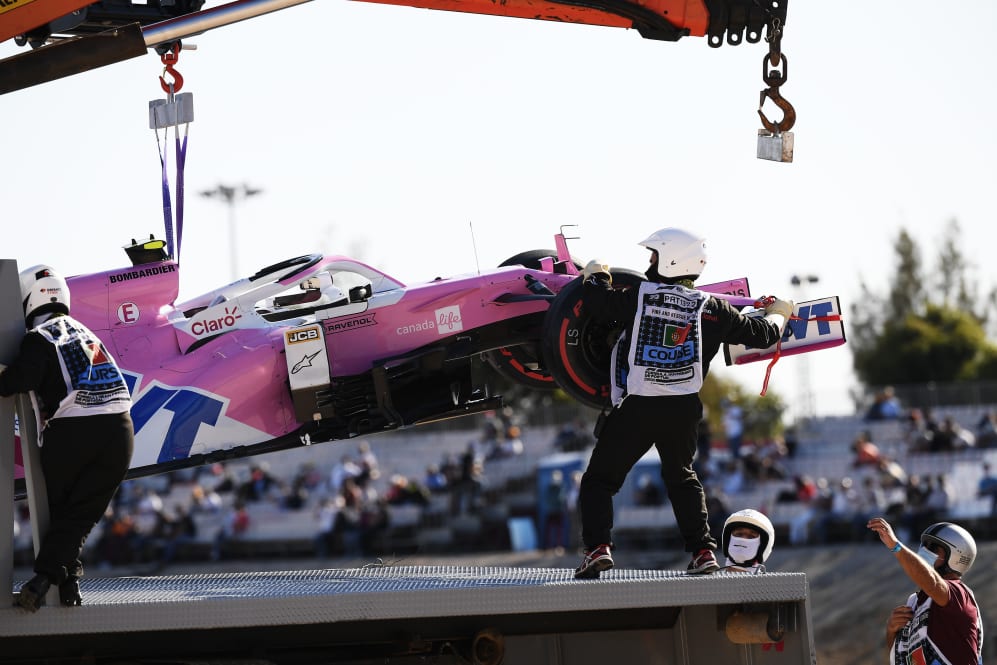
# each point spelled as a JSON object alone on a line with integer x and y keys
{"x": 311, "y": 349}
{"x": 322, "y": 348}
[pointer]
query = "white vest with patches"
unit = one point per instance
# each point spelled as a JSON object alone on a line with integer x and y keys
{"x": 665, "y": 350}
{"x": 94, "y": 384}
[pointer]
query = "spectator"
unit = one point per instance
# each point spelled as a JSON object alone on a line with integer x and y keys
{"x": 343, "y": 469}
{"x": 226, "y": 478}
{"x": 235, "y": 526}
{"x": 328, "y": 517}
{"x": 181, "y": 530}
{"x": 404, "y": 491}
{"x": 938, "y": 440}
{"x": 204, "y": 501}
{"x": 467, "y": 490}
{"x": 450, "y": 468}
{"x": 763, "y": 461}
{"x": 843, "y": 508}
{"x": 115, "y": 544}
{"x": 149, "y": 524}
{"x": 296, "y": 495}
{"x": 554, "y": 510}
{"x": 704, "y": 445}
{"x": 512, "y": 442}
{"x": 374, "y": 520}
{"x": 870, "y": 501}
{"x": 816, "y": 508}
{"x": 885, "y": 406}
{"x": 916, "y": 512}
{"x": 351, "y": 517}
{"x": 435, "y": 481}
{"x": 260, "y": 485}
{"x": 953, "y": 437}
{"x": 571, "y": 494}
{"x": 717, "y": 505}
{"x": 648, "y": 492}
{"x": 891, "y": 474}
{"x": 369, "y": 466}
{"x": 736, "y": 478}
{"x": 572, "y": 437}
{"x": 986, "y": 430}
{"x": 988, "y": 487}
{"x": 791, "y": 441}
{"x": 918, "y": 435}
{"x": 866, "y": 452}
{"x": 733, "y": 421}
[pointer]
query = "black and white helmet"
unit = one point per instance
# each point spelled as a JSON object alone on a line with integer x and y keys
{"x": 958, "y": 546}
{"x": 680, "y": 253}
{"x": 42, "y": 291}
{"x": 757, "y": 521}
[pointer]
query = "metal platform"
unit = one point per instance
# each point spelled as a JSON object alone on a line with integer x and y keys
{"x": 384, "y": 609}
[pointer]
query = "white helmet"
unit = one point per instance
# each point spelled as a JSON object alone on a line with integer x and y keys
{"x": 757, "y": 521}
{"x": 959, "y": 548}
{"x": 680, "y": 253}
{"x": 43, "y": 290}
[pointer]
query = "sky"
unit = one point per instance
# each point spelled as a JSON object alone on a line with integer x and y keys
{"x": 431, "y": 143}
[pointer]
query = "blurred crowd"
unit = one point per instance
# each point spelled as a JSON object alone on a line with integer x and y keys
{"x": 349, "y": 505}
{"x": 155, "y": 520}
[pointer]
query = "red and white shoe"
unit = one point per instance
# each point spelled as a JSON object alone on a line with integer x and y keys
{"x": 596, "y": 560}
{"x": 704, "y": 561}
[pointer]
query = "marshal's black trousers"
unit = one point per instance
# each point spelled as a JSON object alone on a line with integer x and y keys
{"x": 671, "y": 425}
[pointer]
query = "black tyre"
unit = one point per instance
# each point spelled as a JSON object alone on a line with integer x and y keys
{"x": 523, "y": 364}
{"x": 577, "y": 349}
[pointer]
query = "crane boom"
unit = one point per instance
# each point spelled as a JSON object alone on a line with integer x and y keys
{"x": 71, "y": 36}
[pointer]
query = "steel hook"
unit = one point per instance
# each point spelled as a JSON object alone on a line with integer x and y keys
{"x": 788, "y": 112}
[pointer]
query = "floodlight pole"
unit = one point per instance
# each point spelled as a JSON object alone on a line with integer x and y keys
{"x": 808, "y": 407}
{"x": 229, "y": 195}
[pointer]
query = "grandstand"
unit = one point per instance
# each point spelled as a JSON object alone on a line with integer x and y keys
{"x": 511, "y": 487}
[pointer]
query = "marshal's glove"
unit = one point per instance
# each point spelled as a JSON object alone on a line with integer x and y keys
{"x": 596, "y": 272}
{"x": 773, "y": 305}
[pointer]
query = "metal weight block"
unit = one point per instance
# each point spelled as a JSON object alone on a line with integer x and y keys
{"x": 775, "y": 147}
{"x": 164, "y": 113}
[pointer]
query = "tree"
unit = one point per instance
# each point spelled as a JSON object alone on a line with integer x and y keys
{"x": 762, "y": 414}
{"x": 924, "y": 330}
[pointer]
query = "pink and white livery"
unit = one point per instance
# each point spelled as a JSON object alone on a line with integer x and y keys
{"x": 320, "y": 348}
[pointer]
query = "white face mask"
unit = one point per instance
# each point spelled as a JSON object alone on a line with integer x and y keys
{"x": 928, "y": 556}
{"x": 742, "y": 550}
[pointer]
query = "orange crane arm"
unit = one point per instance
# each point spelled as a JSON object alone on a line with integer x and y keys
{"x": 72, "y": 36}
{"x": 20, "y": 16}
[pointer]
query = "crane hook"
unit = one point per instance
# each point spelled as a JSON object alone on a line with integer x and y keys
{"x": 774, "y": 78}
{"x": 169, "y": 59}
{"x": 788, "y": 112}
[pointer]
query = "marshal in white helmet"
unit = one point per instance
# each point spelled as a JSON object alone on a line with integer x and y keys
{"x": 43, "y": 291}
{"x": 680, "y": 253}
{"x": 747, "y": 541}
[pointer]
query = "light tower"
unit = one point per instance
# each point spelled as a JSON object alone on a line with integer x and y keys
{"x": 807, "y": 408}
{"x": 230, "y": 195}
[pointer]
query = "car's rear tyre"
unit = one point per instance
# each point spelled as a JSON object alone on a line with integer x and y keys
{"x": 523, "y": 364}
{"x": 576, "y": 348}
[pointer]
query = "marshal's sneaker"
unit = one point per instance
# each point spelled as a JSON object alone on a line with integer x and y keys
{"x": 703, "y": 561}
{"x": 596, "y": 560}
{"x": 69, "y": 593}
{"x": 32, "y": 595}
